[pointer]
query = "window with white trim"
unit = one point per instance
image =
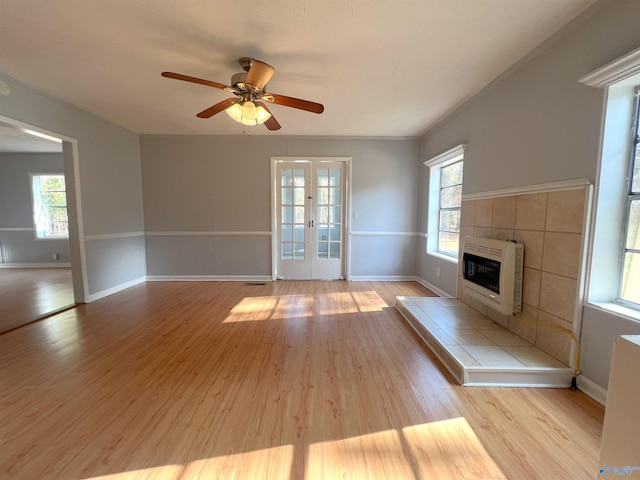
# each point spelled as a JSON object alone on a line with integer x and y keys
{"x": 614, "y": 267}
{"x": 445, "y": 200}
{"x": 630, "y": 270}
{"x": 49, "y": 206}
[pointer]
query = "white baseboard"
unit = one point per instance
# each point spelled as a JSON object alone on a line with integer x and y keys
{"x": 382, "y": 278}
{"x": 433, "y": 288}
{"x": 592, "y": 389}
{"x": 208, "y": 278}
{"x": 118, "y": 288}
{"x": 36, "y": 265}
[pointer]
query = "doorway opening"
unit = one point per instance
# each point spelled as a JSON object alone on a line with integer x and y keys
{"x": 41, "y": 266}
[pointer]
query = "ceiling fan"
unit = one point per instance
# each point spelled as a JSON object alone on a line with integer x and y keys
{"x": 248, "y": 106}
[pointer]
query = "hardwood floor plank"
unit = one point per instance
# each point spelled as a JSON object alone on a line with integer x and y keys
{"x": 287, "y": 380}
{"x": 29, "y": 293}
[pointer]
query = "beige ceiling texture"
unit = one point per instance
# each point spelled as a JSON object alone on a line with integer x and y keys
{"x": 380, "y": 67}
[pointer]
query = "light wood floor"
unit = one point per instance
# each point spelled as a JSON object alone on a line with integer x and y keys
{"x": 29, "y": 293}
{"x": 288, "y": 380}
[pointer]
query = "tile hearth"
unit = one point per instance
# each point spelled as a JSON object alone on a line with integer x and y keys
{"x": 478, "y": 351}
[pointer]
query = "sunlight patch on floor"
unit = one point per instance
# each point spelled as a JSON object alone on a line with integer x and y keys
{"x": 369, "y": 301}
{"x": 166, "y": 472}
{"x": 269, "y": 463}
{"x": 251, "y": 309}
{"x": 449, "y": 449}
{"x": 377, "y": 455}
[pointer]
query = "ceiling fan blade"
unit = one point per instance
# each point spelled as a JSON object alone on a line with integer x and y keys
{"x": 187, "y": 78}
{"x": 272, "y": 123}
{"x": 293, "y": 102}
{"x": 218, "y": 107}
{"x": 259, "y": 74}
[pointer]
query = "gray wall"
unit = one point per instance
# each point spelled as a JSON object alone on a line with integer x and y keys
{"x": 110, "y": 188}
{"x": 537, "y": 124}
{"x": 222, "y": 184}
{"x": 20, "y": 247}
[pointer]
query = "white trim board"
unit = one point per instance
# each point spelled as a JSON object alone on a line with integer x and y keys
{"x": 433, "y": 288}
{"x": 592, "y": 389}
{"x": 118, "y": 288}
{"x": 36, "y": 265}
{"x": 449, "y": 156}
{"x": 385, "y": 234}
{"x": 110, "y": 236}
{"x": 382, "y": 278}
{"x": 16, "y": 229}
{"x": 209, "y": 278}
{"x": 529, "y": 189}
{"x": 210, "y": 234}
{"x": 617, "y": 71}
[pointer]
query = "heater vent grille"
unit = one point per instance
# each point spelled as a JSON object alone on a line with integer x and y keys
{"x": 492, "y": 273}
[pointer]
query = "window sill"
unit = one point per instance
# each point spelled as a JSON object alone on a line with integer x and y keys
{"x": 446, "y": 258}
{"x": 617, "y": 309}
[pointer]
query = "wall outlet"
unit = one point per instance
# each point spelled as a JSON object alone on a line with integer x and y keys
{"x": 437, "y": 271}
{"x": 56, "y": 256}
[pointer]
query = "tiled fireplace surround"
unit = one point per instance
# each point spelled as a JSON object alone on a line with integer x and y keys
{"x": 550, "y": 221}
{"x": 551, "y": 227}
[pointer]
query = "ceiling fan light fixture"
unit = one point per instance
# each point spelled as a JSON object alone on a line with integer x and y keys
{"x": 247, "y": 113}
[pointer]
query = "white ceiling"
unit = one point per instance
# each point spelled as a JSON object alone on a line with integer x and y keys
{"x": 380, "y": 67}
{"x": 14, "y": 139}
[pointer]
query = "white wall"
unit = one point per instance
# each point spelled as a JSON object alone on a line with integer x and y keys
{"x": 111, "y": 222}
{"x": 537, "y": 124}
{"x": 222, "y": 184}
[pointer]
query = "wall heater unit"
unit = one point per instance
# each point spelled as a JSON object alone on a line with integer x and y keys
{"x": 492, "y": 273}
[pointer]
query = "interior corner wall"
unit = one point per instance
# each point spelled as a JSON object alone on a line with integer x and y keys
{"x": 536, "y": 125}
{"x": 207, "y": 203}
{"x": 110, "y": 188}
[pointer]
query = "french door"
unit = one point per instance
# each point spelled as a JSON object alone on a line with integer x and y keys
{"x": 310, "y": 219}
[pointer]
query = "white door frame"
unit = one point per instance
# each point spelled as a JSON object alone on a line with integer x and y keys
{"x": 74, "y": 209}
{"x": 275, "y": 234}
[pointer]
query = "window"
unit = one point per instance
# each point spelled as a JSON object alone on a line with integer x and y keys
{"x": 630, "y": 278}
{"x": 614, "y": 267}
{"x": 445, "y": 197}
{"x": 49, "y": 206}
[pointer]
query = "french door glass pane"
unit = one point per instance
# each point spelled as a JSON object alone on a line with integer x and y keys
{"x": 334, "y": 233}
{"x": 287, "y": 233}
{"x": 293, "y": 221}
{"x": 287, "y": 177}
{"x": 334, "y": 196}
{"x": 335, "y": 177}
{"x": 298, "y": 177}
{"x": 287, "y": 196}
{"x": 287, "y": 215}
{"x": 335, "y": 215}
{"x": 329, "y": 213}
